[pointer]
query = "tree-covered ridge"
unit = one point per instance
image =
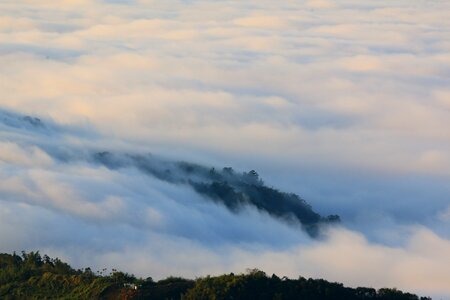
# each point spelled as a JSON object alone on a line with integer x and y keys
{"x": 233, "y": 189}
{"x": 257, "y": 285}
{"x": 32, "y": 276}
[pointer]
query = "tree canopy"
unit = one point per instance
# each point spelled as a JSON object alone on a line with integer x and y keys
{"x": 32, "y": 276}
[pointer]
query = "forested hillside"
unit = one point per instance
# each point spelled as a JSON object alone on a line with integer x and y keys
{"x": 233, "y": 189}
{"x": 32, "y": 276}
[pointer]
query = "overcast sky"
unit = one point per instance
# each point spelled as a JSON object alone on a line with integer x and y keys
{"x": 346, "y": 103}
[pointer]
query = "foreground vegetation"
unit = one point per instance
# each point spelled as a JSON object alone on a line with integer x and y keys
{"x": 32, "y": 276}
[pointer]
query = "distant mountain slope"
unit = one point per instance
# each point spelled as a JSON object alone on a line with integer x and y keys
{"x": 234, "y": 190}
{"x": 32, "y": 276}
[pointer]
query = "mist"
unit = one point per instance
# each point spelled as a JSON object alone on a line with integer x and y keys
{"x": 135, "y": 211}
{"x": 344, "y": 104}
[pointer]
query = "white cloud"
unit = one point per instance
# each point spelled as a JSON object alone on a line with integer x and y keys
{"x": 354, "y": 89}
{"x": 11, "y": 153}
{"x": 321, "y": 4}
{"x": 261, "y": 21}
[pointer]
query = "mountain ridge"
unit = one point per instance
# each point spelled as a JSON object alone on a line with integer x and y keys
{"x": 32, "y": 276}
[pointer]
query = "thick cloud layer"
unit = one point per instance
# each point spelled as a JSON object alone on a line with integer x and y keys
{"x": 345, "y": 103}
{"x": 97, "y": 209}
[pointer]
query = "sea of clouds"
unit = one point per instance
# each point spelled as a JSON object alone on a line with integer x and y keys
{"x": 346, "y": 103}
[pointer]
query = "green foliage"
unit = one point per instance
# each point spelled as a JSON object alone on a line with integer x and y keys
{"x": 169, "y": 288}
{"x": 236, "y": 190}
{"x": 31, "y": 276}
{"x": 256, "y": 285}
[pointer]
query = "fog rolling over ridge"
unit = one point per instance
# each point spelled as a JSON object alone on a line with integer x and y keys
{"x": 202, "y": 137}
{"x": 225, "y": 186}
{"x": 95, "y": 207}
{"x": 232, "y": 189}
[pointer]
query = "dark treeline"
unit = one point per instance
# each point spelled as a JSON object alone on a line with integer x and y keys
{"x": 32, "y": 276}
{"x": 233, "y": 189}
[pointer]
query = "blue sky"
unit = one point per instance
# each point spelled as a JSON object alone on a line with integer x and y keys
{"x": 346, "y": 103}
